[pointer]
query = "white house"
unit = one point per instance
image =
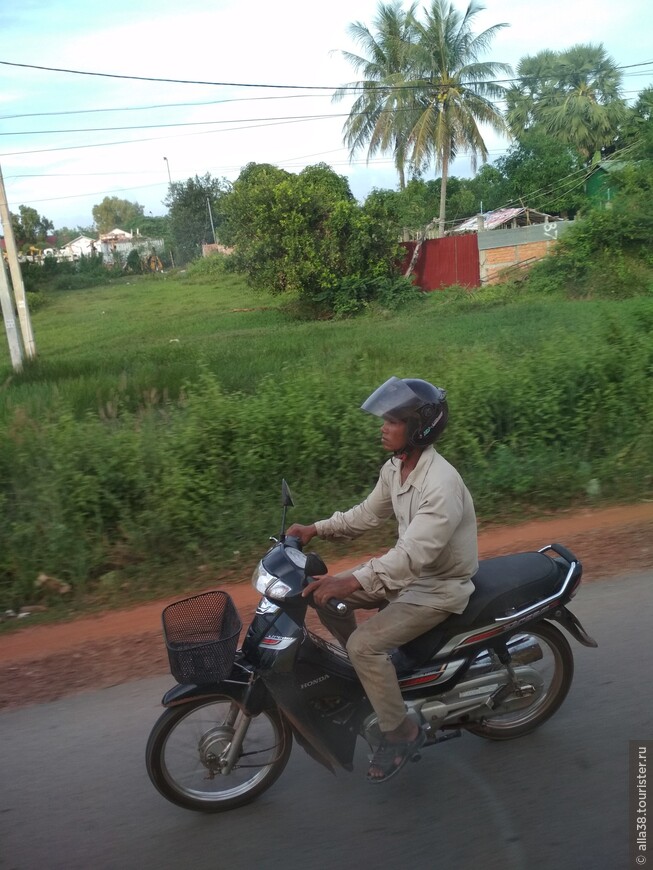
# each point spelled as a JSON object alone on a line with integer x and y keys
{"x": 82, "y": 246}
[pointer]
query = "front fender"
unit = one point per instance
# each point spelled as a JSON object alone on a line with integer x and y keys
{"x": 183, "y": 693}
{"x": 247, "y": 691}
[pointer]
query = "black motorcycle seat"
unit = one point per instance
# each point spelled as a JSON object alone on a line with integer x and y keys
{"x": 509, "y": 583}
{"x": 502, "y": 585}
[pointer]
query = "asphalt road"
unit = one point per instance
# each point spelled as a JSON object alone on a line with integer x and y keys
{"x": 74, "y": 792}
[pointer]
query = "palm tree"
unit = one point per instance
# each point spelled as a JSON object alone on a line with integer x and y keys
{"x": 575, "y": 95}
{"x": 425, "y": 91}
{"x": 454, "y": 91}
{"x": 537, "y": 76}
{"x": 377, "y": 118}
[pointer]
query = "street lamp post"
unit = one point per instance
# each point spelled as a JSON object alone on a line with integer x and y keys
{"x": 169, "y": 177}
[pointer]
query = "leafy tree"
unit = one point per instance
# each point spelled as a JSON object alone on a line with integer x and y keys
{"x": 30, "y": 228}
{"x": 637, "y": 129}
{"x": 257, "y": 195}
{"x": 417, "y": 204}
{"x": 431, "y": 104}
{"x": 154, "y": 226}
{"x": 540, "y": 172}
{"x": 575, "y": 95}
{"x": 489, "y": 188}
{"x": 114, "y": 212}
{"x": 193, "y": 204}
{"x": 305, "y": 235}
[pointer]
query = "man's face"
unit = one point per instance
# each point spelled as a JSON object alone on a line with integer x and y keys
{"x": 393, "y": 434}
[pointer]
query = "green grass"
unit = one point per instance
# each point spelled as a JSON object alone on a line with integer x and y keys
{"x": 151, "y": 434}
{"x": 144, "y": 341}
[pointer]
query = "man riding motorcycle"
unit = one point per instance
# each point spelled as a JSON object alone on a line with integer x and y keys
{"x": 420, "y": 581}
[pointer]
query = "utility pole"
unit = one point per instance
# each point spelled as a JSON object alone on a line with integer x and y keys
{"x": 6, "y": 302}
{"x": 16, "y": 274}
{"x": 172, "y": 259}
{"x": 208, "y": 205}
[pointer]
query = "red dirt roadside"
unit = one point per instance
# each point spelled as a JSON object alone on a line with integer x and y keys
{"x": 44, "y": 662}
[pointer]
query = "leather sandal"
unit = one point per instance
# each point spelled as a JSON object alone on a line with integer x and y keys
{"x": 389, "y": 758}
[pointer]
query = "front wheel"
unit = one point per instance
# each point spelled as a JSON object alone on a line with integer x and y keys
{"x": 554, "y": 670}
{"x": 188, "y": 750}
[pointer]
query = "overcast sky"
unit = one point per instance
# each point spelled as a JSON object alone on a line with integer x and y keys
{"x": 220, "y": 128}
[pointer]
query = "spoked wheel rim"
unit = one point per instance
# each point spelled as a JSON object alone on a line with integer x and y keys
{"x": 552, "y": 675}
{"x": 193, "y": 753}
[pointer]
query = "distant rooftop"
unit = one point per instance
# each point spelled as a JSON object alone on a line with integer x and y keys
{"x": 494, "y": 220}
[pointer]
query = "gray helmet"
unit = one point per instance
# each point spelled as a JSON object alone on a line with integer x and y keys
{"x": 421, "y": 405}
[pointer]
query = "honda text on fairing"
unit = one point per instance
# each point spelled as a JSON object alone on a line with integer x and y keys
{"x": 499, "y": 670}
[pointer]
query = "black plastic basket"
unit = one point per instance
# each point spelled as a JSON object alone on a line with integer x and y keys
{"x": 201, "y": 635}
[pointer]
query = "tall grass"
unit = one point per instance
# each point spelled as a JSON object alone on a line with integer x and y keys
{"x": 154, "y": 429}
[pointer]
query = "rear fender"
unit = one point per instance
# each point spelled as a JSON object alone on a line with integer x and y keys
{"x": 573, "y": 625}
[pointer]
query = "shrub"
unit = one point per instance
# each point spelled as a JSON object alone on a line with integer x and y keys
{"x": 206, "y": 269}
{"x": 607, "y": 253}
{"x": 304, "y": 235}
{"x": 133, "y": 262}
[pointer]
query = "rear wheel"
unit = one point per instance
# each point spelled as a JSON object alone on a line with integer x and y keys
{"x": 187, "y": 754}
{"x": 555, "y": 671}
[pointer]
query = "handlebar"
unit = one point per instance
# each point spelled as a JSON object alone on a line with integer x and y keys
{"x": 339, "y": 606}
{"x": 333, "y": 604}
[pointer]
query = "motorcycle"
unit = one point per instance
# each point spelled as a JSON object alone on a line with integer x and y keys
{"x": 498, "y": 670}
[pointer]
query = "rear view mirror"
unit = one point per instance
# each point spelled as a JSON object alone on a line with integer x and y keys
{"x": 286, "y": 495}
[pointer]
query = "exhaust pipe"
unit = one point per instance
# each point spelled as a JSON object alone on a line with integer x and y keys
{"x": 523, "y": 650}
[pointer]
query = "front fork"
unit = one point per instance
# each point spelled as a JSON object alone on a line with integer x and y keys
{"x": 232, "y": 754}
{"x": 248, "y": 696}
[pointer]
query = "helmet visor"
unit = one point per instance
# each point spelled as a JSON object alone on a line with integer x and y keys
{"x": 394, "y": 398}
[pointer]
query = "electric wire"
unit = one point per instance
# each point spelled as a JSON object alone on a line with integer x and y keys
{"x": 354, "y": 86}
{"x": 184, "y": 105}
{"x": 244, "y": 124}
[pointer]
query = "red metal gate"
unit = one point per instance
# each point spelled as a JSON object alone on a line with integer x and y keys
{"x": 447, "y": 261}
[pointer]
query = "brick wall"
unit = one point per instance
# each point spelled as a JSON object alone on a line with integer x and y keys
{"x": 495, "y": 261}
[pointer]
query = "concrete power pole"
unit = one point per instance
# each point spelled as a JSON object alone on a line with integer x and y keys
{"x": 16, "y": 274}
{"x": 7, "y": 305}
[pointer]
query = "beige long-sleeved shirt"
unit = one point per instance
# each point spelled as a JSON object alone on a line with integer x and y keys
{"x": 436, "y": 553}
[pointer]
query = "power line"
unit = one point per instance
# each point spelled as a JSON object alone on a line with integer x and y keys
{"x": 165, "y": 80}
{"x": 161, "y": 138}
{"x": 178, "y": 124}
{"x": 288, "y": 163}
{"x": 356, "y": 86}
{"x": 184, "y": 105}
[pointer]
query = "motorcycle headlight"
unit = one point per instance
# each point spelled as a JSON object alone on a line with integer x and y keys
{"x": 267, "y": 584}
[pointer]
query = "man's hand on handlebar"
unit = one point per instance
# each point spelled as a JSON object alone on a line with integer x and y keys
{"x": 304, "y": 533}
{"x": 325, "y": 588}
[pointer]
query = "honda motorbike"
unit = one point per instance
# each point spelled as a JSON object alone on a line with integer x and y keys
{"x": 498, "y": 670}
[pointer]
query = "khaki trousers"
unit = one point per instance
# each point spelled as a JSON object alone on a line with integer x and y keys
{"x": 369, "y": 643}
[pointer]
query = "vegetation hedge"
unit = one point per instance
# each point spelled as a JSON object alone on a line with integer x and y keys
{"x": 123, "y": 495}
